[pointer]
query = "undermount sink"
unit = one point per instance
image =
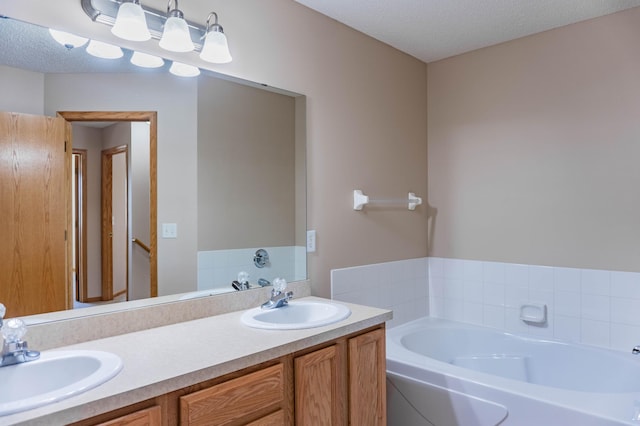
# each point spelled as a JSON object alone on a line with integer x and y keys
{"x": 297, "y": 314}
{"x": 56, "y": 375}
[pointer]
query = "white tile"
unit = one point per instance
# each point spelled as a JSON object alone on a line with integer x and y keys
{"x": 595, "y": 281}
{"x": 513, "y": 323}
{"x": 566, "y": 279}
{"x": 543, "y": 331}
{"x": 566, "y": 328}
{"x": 625, "y": 311}
{"x": 422, "y": 287}
{"x": 436, "y": 287}
{"x": 454, "y": 269}
{"x": 345, "y": 280}
{"x": 494, "y": 272}
{"x": 516, "y": 296}
{"x": 624, "y": 337}
{"x": 543, "y": 297}
{"x": 417, "y": 267}
{"x": 454, "y": 309}
{"x": 473, "y": 313}
{"x": 595, "y": 333}
{"x": 494, "y": 294}
{"x": 541, "y": 278}
{"x": 494, "y": 316}
{"x": 436, "y": 267}
{"x": 567, "y": 303}
{"x": 473, "y": 270}
{"x": 453, "y": 289}
{"x": 516, "y": 275}
{"x": 473, "y": 292}
{"x": 436, "y": 307}
{"x": 596, "y": 307}
{"x": 625, "y": 284}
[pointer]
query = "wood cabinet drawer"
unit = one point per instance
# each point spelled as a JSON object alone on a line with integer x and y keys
{"x": 244, "y": 399}
{"x": 148, "y": 417}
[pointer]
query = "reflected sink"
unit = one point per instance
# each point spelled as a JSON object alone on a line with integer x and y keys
{"x": 56, "y": 375}
{"x": 296, "y": 315}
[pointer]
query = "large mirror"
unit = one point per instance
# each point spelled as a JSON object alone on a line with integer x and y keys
{"x": 231, "y": 174}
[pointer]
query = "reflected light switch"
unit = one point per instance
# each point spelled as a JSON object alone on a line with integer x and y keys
{"x": 169, "y": 230}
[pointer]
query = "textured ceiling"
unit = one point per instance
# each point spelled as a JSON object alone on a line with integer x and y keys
{"x": 435, "y": 29}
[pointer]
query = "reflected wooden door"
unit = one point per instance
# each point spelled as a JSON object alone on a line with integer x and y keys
{"x": 33, "y": 213}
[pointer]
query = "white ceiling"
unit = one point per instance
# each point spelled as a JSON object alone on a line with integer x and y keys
{"x": 436, "y": 29}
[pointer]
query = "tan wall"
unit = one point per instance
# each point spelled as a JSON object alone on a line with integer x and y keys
{"x": 366, "y": 120}
{"x": 246, "y": 141}
{"x": 533, "y": 148}
{"x": 22, "y": 91}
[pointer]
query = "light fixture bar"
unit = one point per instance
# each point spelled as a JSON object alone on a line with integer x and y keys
{"x": 105, "y": 12}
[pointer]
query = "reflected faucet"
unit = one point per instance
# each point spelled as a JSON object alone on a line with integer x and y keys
{"x": 14, "y": 349}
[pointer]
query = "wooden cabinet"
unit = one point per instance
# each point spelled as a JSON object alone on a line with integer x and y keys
{"x": 254, "y": 397}
{"x": 341, "y": 382}
{"x": 320, "y": 387}
{"x": 367, "y": 379}
{"x": 147, "y": 417}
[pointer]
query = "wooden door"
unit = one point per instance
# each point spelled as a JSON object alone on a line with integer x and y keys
{"x": 320, "y": 396}
{"x": 367, "y": 379}
{"x": 34, "y": 188}
{"x": 115, "y": 233}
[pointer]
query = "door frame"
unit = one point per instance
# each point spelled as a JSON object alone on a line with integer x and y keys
{"x": 79, "y": 226}
{"x": 138, "y": 116}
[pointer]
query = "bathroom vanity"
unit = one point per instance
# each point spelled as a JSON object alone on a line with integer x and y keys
{"x": 216, "y": 370}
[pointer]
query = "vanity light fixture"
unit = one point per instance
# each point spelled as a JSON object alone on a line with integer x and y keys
{"x": 68, "y": 40}
{"x": 176, "y": 36}
{"x": 104, "y": 50}
{"x": 170, "y": 27}
{"x": 184, "y": 70}
{"x": 145, "y": 60}
{"x": 215, "y": 48}
{"x": 131, "y": 23}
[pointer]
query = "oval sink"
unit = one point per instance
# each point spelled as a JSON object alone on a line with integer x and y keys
{"x": 296, "y": 315}
{"x": 56, "y": 375}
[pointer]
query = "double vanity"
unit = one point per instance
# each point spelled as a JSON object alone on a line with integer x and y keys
{"x": 314, "y": 359}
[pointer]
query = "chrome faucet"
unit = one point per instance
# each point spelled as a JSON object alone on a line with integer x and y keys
{"x": 14, "y": 349}
{"x": 279, "y": 297}
{"x": 636, "y": 350}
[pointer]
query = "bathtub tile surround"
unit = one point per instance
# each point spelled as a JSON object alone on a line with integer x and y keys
{"x": 400, "y": 286}
{"x": 218, "y": 268}
{"x": 595, "y": 307}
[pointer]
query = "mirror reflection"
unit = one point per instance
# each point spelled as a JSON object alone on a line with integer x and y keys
{"x": 230, "y": 169}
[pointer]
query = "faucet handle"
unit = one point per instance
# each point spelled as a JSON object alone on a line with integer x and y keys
{"x": 14, "y": 330}
{"x": 279, "y": 284}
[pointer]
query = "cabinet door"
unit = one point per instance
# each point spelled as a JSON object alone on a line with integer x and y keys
{"x": 148, "y": 417}
{"x": 238, "y": 401}
{"x": 367, "y": 379}
{"x": 320, "y": 397}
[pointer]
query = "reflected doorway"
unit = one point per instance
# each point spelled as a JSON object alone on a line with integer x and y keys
{"x": 131, "y": 247}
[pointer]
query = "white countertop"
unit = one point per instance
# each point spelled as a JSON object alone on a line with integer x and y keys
{"x": 161, "y": 360}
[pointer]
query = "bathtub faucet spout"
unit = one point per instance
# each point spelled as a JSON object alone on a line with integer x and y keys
{"x": 636, "y": 350}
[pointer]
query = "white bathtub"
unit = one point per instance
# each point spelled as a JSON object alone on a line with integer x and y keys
{"x": 446, "y": 373}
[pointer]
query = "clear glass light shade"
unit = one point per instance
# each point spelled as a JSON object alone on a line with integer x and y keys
{"x": 145, "y": 60}
{"x": 68, "y": 40}
{"x": 131, "y": 23}
{"x": 176, "y": 36}
{"x": 104, "y": 50}
{"x": 215, "y": 48}
{"x": 184, "y": 70}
